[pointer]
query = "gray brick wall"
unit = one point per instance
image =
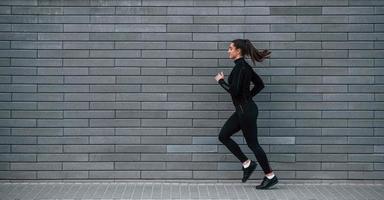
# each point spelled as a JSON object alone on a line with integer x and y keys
{"x": 124, "y": 89}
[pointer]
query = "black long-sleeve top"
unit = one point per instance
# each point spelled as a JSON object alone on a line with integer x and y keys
{"x": 239, "y": 82}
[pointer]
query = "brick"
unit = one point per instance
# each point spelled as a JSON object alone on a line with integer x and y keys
{"x": 18, "y": 53}
{"x": 140, "y": 165}
{"x": 88, "y": 165}
{"x": 141, "y": 62}
{"x": 43, "y": 62}
{"x": 215, "y": 140}
{"x": 18, "y": 157}
{"x": 87, "y": 45}
{"x": 18, "y": 19}
{"x": 63, "y": 140}
{"x": 365, "y": 140}
{"x": 114, "y": 157}
{"x": 5, "y": 114}
{"x": 165, "y": 140}
{"x": 147, "y": 10}
{"x": 37, "y": 148}
{"x": 114, "y": 88}
{"x": 271, "y": 3}
{"x": 191, "y": 148}
{"x": 348, "y": 114}
{"x": 322, "y": 3}
{"x": 297, "y": 166}
{"x": 166, "y": 157}
{"x": 139, "y": 28}
{"x": 191, "y": 166}
{"x": 88, "y": 148}
{"x": 221, "y": 3}
{"x": 37, "y": 28}
{"x": 166, "y": 3}
{"x": 182, "y": 28}
{"x": 89, "y": 79}
{"x": 63, "y": 54}
{"x": 36, "y": 166}
{"x": 62, "y": 174}
{"x": 218, "y": 19}
{"x": 346, "y": 149}
{"x": 296, "y": 11}
{"x": 192, "y": 11}
{"x": 89, "y": 10}
{"x": 5, "y": 10}
{"x": 297, "y": 148}
{"x": 141, "y": 148}
{"x": 62, "y": 157}
{"x": 166, "y": 36}
{"x": 321, "y": 175}
{"x": 88, "y": 131}
{"x": 62, "y": 71}
{"x": 167, "y": 174}
{"x": 88, "y": 62}
{"x": 18, "y": 36}
{"x": 37, "y": 114}
{"x": 62, "y": 105}
{"x": 18, "y": 122}
{"x": 37, "y": 10}
{"x": 114, "y": 71}
{"x": 114, "y": 140}
{"x": 88, "y": 28}
{"x": 114, "y": 174}
{"x": 322, "y": 157}
{"x": 17, "y": 175}
{"x": 18, "y": 106}
{"x": 366, "y": 174}
{"x": 166, "y": 122}
{"x": 88, "y": 114}
{"x": 321, "y": 123}
{"x": 249, "y": 10}
{"x": 347, "y": 131}
{"x": 62, "y": 122}
{"x": 63, "y": 36}
{"x": 365, "y": 157}
{"x": 113, "y": 36}
{"x": 347, "y": 166}
{"x": 270, "y": 36}
{"x": 114, "y": 122}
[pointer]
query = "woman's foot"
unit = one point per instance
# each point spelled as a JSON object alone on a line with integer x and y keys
{"x": 267, "y": 182}
{"x": 247, "y": 172}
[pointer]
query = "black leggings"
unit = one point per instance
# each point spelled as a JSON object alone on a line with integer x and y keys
{"x": 244, "y": 118}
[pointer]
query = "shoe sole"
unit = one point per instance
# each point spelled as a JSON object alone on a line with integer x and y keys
{"x": 250, "y": 174}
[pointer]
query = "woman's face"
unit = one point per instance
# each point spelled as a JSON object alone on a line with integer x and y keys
{"x": 233, "y": 52}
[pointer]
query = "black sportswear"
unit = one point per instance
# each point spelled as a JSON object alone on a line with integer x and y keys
{"x": 245, "y": 116}
{"x": 247, "y": 172}
{"x": 239, "y": 82}
{"x": 267, "y": 183}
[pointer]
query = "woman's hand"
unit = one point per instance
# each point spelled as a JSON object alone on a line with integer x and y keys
{"x": 219, "y": 76}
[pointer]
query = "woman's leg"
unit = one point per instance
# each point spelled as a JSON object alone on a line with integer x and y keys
{"x": 249, "y": 129}
{"x": 230, "y": 127}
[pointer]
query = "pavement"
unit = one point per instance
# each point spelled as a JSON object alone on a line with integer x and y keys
{"x": 188, "y": 189}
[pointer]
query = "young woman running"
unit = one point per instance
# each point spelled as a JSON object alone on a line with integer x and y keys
{"x": 246, "y": 110}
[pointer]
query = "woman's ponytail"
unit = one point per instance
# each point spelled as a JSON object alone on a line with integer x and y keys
{"x": 247, "y": 48}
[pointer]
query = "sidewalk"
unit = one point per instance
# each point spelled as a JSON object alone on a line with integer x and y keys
{"x": 179, "y": 189}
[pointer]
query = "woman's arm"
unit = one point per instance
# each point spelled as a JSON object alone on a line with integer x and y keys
{"x": 258, "y": 84}
{"x": 237, "y": 82}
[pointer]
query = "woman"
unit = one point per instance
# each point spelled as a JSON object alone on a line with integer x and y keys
{"x": 245, "y": 116}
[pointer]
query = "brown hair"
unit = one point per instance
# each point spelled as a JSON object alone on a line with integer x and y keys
{"x": 247, "y": 48}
